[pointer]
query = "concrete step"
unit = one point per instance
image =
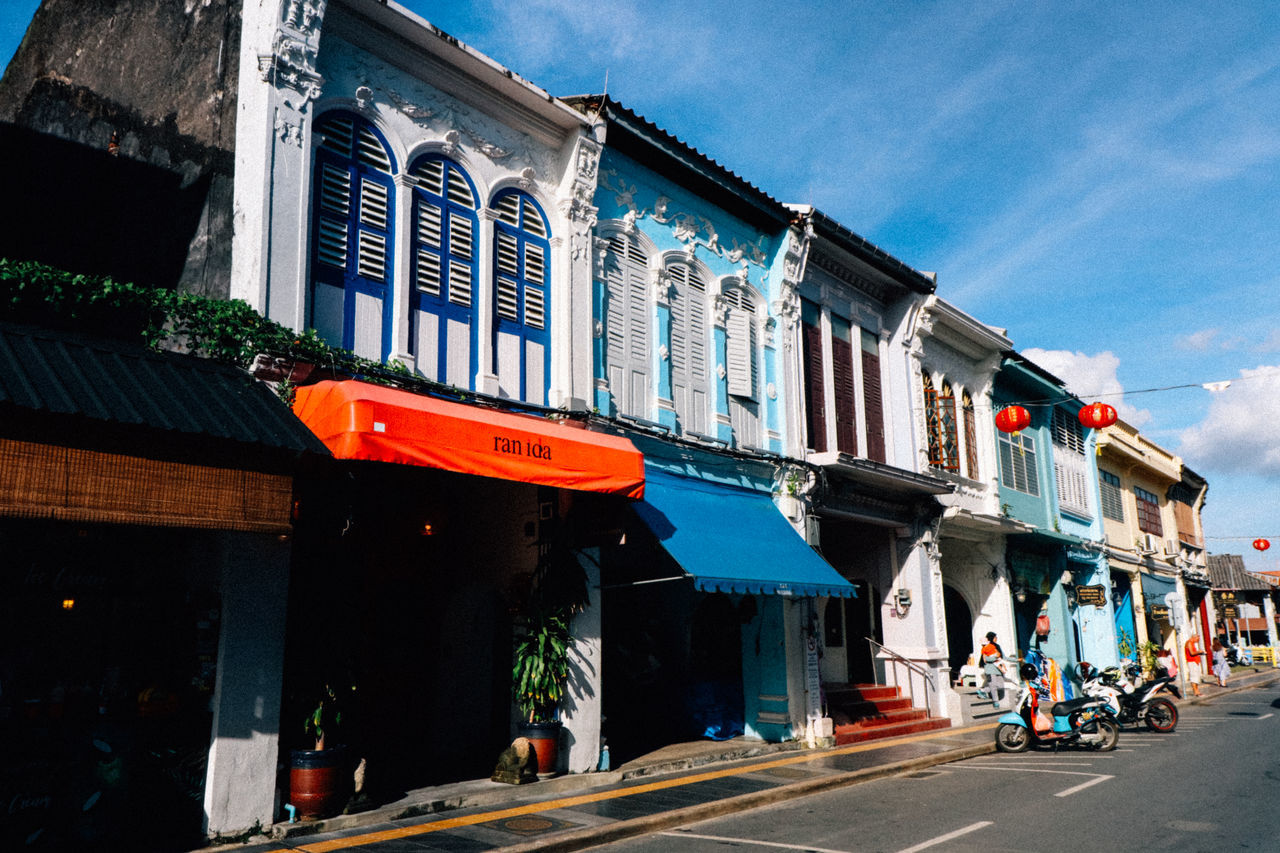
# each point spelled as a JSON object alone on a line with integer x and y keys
{"x": 858, "y": 733}
{"x": 904, "y": 715}
{"x": 858, "y": 708}
{"x": 975, "y": 709}
{"x": 860, "y": 692}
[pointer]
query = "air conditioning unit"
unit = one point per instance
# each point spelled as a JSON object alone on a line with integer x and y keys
{"x": 1150, "y": 543}
{"x": 1171, "y": 547}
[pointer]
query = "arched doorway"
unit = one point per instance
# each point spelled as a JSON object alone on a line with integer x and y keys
{"x": 959, "y": 629}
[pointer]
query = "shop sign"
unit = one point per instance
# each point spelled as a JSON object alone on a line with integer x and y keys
{"x": 1159, "y": 611}
{"x": 1224, "y": 596}
{"x": 1092, "y": 595}
{"x": 1229, "y": 612}
{"x": 1081, "y": 556}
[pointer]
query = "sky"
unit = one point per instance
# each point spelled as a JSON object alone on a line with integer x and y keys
{"x": 1099, "y": 179}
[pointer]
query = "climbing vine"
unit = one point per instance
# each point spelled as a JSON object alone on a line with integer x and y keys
{"x": 228, "y": 331}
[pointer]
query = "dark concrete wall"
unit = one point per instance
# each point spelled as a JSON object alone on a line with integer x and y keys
{"x": 159, "y": 75}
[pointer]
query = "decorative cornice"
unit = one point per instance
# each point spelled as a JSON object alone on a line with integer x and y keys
{"x": 861, "y": 283}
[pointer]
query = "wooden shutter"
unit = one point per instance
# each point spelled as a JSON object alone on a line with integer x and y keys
{"x": 689, "y": 385}
{"x": 846, "y": 410}
{"x": 816, "y": 402}
{"x": 626, "y": 318}
{"x": 872, "y": 398}
{"x": 1184, "y": 517}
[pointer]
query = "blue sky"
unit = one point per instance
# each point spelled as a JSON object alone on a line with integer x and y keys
{"x": 1100, "y": 179}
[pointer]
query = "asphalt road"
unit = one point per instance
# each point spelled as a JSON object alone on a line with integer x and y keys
{"x": 1213, "y": 785}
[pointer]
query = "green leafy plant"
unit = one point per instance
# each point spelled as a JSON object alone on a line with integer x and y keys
{"x": 540, "y": 669}
{"x": 541, "y": 658}
{"x": 326, "y": 718}
{"x": 229, "y": 331}
{"x": 1147, "y": 655}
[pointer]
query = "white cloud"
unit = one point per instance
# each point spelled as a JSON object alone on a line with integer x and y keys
{"x": 1240, "y": 432}
{"x": 1201, "y": 341}
{"x": 1092, "y": 378}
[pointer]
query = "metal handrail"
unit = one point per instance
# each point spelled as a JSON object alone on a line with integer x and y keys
{"x": 926, "y": 677}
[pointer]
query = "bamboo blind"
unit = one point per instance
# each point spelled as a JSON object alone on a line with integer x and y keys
{"x": 72, "y": 484}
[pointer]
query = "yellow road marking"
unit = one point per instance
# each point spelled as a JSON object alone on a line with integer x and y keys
{"x": 614, "y": 793}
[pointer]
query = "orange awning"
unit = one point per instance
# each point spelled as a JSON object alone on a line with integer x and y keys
{"x": 356, "y": 420}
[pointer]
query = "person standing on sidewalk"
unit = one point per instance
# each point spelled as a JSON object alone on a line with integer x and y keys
{"x": 1193, "y": 654}
{"x": 1221, "y": 668}
{"x": 990, "y": 656}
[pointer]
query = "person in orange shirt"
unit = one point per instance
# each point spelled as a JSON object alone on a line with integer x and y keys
{"x": 1194, "y": 655}
{"x": 990, "y": 657}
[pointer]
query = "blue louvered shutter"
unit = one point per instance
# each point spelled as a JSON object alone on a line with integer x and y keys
{"x": 352, "y": 228}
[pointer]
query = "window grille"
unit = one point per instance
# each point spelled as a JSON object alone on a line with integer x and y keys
{"x": 1148, "y": 512}
{"x": 940, "y": 424}
{"x": 970, "y": 436}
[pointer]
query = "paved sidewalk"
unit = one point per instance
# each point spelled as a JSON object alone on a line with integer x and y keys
{"x": 677, "y": 785}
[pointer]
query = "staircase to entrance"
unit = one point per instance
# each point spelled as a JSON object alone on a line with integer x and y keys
{"x": 871, "y": 711}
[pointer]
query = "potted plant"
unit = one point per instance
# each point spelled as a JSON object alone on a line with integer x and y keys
{"x": 319, "y": 778}
{"x": 1147, "y": 658}
{"x": 541, "y": 657}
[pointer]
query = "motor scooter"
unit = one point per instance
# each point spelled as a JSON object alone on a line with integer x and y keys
{"x": 1239, "y": 656}
{"x": 1131, "y": 699}
{"x": 1085, "y": 721}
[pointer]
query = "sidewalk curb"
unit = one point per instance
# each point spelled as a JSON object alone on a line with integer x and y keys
{"x": 592, "y": 836}
{"x": 1264, "y": 679}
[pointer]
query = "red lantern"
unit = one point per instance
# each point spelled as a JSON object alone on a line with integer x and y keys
{"x": 1097, "y": 415}
{"x": 1012, "y": 419}
{"x": 1261, "y": 544}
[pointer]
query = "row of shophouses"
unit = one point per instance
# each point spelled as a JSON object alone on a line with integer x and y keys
{"x": 769, "y": 443}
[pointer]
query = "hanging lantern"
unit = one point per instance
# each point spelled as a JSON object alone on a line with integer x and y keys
{"x": 1012, "y": 419}
{"x": 1261, "y": 544}
{"x": 1097, "y": 415}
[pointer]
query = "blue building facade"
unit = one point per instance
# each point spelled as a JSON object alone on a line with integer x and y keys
{"x": 1058, "y": 572}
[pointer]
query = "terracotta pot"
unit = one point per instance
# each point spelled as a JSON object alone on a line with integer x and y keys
{"x": 319, "y": 781}
{"x": 545, "y": 738}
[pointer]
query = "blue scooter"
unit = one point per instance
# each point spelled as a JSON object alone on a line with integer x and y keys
{"x": 1086, "y": 721}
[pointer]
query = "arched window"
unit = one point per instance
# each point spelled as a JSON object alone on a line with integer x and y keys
{"x": 742, "y": 368}
{"x": 940, "y": 424}
{"x": 626, "y": 324}
{"x": 351, "y": 237}
{"x": 442, "y": 332}
{"x": 688, "y": 347}
{"x": 522, "y": 278}
{"x": 970, "y": 435}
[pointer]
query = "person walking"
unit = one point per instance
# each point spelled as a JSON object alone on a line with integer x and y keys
{"x": 1221, "y": 668}
{"x": 1193, "y": 655}
{"x": 990, "y": 657}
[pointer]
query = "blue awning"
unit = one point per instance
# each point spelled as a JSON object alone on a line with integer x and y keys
{"x": 733, "y": 540}
{"x": 1156, "y": 587}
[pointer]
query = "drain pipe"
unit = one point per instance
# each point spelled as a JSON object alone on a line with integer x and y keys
{"x": 293, "y": 812}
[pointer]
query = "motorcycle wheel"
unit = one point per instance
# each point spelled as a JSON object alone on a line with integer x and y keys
{"x": 1011, "y": 738}
{"x": 1162, "y": 716}
{"x": 1108, "y": 735}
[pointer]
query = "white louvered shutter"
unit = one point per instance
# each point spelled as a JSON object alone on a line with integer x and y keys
{"x": 627, "y": 325}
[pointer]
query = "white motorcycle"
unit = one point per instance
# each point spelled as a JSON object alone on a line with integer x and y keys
{"x": 1131, "y": 699}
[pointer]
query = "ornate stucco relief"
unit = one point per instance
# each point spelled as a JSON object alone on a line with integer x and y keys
{"x": 291, "y": 64}
{"x": 445, "y": 119}
{"x": 694, "y": 230}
